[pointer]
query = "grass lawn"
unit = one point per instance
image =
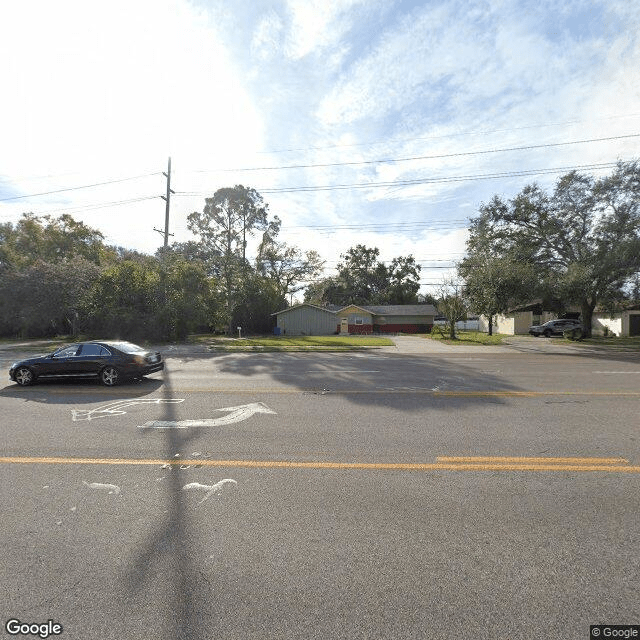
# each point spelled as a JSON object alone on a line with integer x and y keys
{"x": 37, "y": 345}
{"x": 467, "y": 337}
{"x": 291, "y": 343}
{"x": 624, "y": 342}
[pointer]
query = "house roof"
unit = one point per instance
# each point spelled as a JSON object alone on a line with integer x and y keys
{"x": 379, "y": 310}
{"x": 306, "y": 304}
{"x": 402, "y": 310}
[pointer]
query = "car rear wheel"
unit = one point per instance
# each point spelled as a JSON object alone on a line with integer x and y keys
{"x": 109, "y": 376}
{"x": 24, "y": 377}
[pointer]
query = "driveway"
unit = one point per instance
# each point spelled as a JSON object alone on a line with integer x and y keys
{"x": 417, "y": 345}
{"x": 511, "y": 344}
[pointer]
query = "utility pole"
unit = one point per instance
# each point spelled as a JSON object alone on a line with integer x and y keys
{"x": 167, "y": 199}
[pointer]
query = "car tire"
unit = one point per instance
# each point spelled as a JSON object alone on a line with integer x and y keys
{"x": 24, "y": 376}
{"x": 109, "y": 376}
{"x": 547, "y": 333}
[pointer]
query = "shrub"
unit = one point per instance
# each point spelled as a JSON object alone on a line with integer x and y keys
{"x": 572, "y": 334}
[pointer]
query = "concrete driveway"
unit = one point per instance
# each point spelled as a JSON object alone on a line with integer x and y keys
{"x": 522, "y": 344}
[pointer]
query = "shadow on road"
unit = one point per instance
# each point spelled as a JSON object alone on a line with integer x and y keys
{"x": 165, "y": 561}
{"x": 76, "y": 391}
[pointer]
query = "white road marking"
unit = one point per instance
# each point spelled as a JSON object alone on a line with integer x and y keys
{"x": 210, "y": 489}
{"x": 117, "y": 408}
{"x": 110, "y": 488}
{"x": 616, "y": 372}
{"x": 236, "y": 414}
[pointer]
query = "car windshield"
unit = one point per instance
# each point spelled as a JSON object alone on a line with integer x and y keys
{"x": 128, "y": 347}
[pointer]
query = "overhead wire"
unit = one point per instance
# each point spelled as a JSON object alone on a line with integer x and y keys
{"x": 419, "y": 181}
{"x": 448, "y": 135}
{"x": 412, "y": 158}
{"x": 77, "y": 188}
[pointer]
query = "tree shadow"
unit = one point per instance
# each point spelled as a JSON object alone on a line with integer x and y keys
{"x": 86, "y": 391}
{"x": 396, "y": 381}
{"x": 165, "y": 560}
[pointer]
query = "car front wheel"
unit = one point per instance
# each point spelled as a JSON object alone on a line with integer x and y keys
{"x": 24, "y": 377}
{"x": 109, "y": 376}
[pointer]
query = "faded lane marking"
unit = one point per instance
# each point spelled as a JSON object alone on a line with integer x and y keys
{"x": 235, "y": 414}
{"x": 290, "y": 464}
{"x": 117, "y": 408}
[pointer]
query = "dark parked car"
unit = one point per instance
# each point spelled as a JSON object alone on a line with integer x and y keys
{"x": 554, "y": 327}
{"x": 109, "y": 361}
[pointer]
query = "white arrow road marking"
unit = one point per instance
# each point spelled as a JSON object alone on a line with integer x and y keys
{"x": 210, "y": 489}
{"x": 236, "y": 414}
{"x": 117, "y": 408}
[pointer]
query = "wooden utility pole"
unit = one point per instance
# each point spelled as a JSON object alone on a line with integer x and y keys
{"x": 167, "y": 199}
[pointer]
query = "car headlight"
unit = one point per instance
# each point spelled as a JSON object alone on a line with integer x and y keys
{"x": 139, "y": 359}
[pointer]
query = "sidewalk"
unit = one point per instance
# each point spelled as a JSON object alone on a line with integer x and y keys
{"x": 417, "y": 345}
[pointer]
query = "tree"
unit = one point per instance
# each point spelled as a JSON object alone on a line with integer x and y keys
{"x": 49, "y": 239}
{"x": 493, "y": 285}
{"x": 124, "y": 302}
{"x": 257, "y": 299}
{"x": 452, "y": 304}
{"x": 363, "y": 279}
{"x": 583, "y": 238}
{"x": 222, "y": 228}
{"x": 46, "y": 298}
{"x": 285, "y": 267}
{"x": 188, "y": 298}
{"x": 404, "y": 281}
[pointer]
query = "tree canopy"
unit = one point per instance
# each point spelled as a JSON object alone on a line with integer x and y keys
{"x": 582, "y": 240}
{"x": 363, "y": 279}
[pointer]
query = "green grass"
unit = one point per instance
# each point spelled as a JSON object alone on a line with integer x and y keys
{"x": 291, "y": 343}
{"x": 32, "y": 344}
{"x": 467, "y": 337}
{"x": 620, "y": 342}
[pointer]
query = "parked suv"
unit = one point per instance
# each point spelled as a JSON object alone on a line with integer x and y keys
{"x": 554, "y": 327}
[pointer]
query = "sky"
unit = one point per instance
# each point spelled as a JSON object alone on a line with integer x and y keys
{"x": 377, "y": 122}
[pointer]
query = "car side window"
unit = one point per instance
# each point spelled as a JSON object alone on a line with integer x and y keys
{"x": 67, "y": 352}
{"x": 93, "y": 350}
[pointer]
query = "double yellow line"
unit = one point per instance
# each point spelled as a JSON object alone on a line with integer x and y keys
{"x": 444, "y": 463}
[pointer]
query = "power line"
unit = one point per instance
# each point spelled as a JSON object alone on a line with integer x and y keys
{"x": 449, "y": 135}
{"x": 84, "y": 186}
{"x": 433, "y": 157}
{"x": 80, "y": 209}
{"x": 419, "y": 181}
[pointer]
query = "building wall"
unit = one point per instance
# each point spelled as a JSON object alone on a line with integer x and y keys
{"x": 403, "y": 328}
{"x": 615, "y": 325}
{"x": 517, "y": 323}
{"x": 307, "y": 321}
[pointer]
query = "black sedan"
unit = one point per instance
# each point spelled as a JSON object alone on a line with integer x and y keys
{"x": 554, "y": 327}
{"x": 109, "y": 361}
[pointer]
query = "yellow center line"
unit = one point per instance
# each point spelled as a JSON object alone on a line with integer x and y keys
{"x": 287, "y": 390}
{"x": 592, "y": 465}
{"x": 525, "y": 460}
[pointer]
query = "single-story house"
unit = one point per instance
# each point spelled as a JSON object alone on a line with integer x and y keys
{"x": 625, "y": 322}
{"x": 310, "y": 319}
{"x": 517, "y": 321}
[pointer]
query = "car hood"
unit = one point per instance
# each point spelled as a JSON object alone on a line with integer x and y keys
{"x": 33, "y": 359}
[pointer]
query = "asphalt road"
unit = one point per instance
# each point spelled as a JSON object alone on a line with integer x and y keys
{"x": 474, "y": 494}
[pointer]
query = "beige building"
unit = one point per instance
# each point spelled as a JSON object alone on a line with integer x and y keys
{"x": 518, "y": 320}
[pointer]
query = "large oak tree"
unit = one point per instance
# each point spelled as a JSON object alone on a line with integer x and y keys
{"x": 582, "y": 239}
